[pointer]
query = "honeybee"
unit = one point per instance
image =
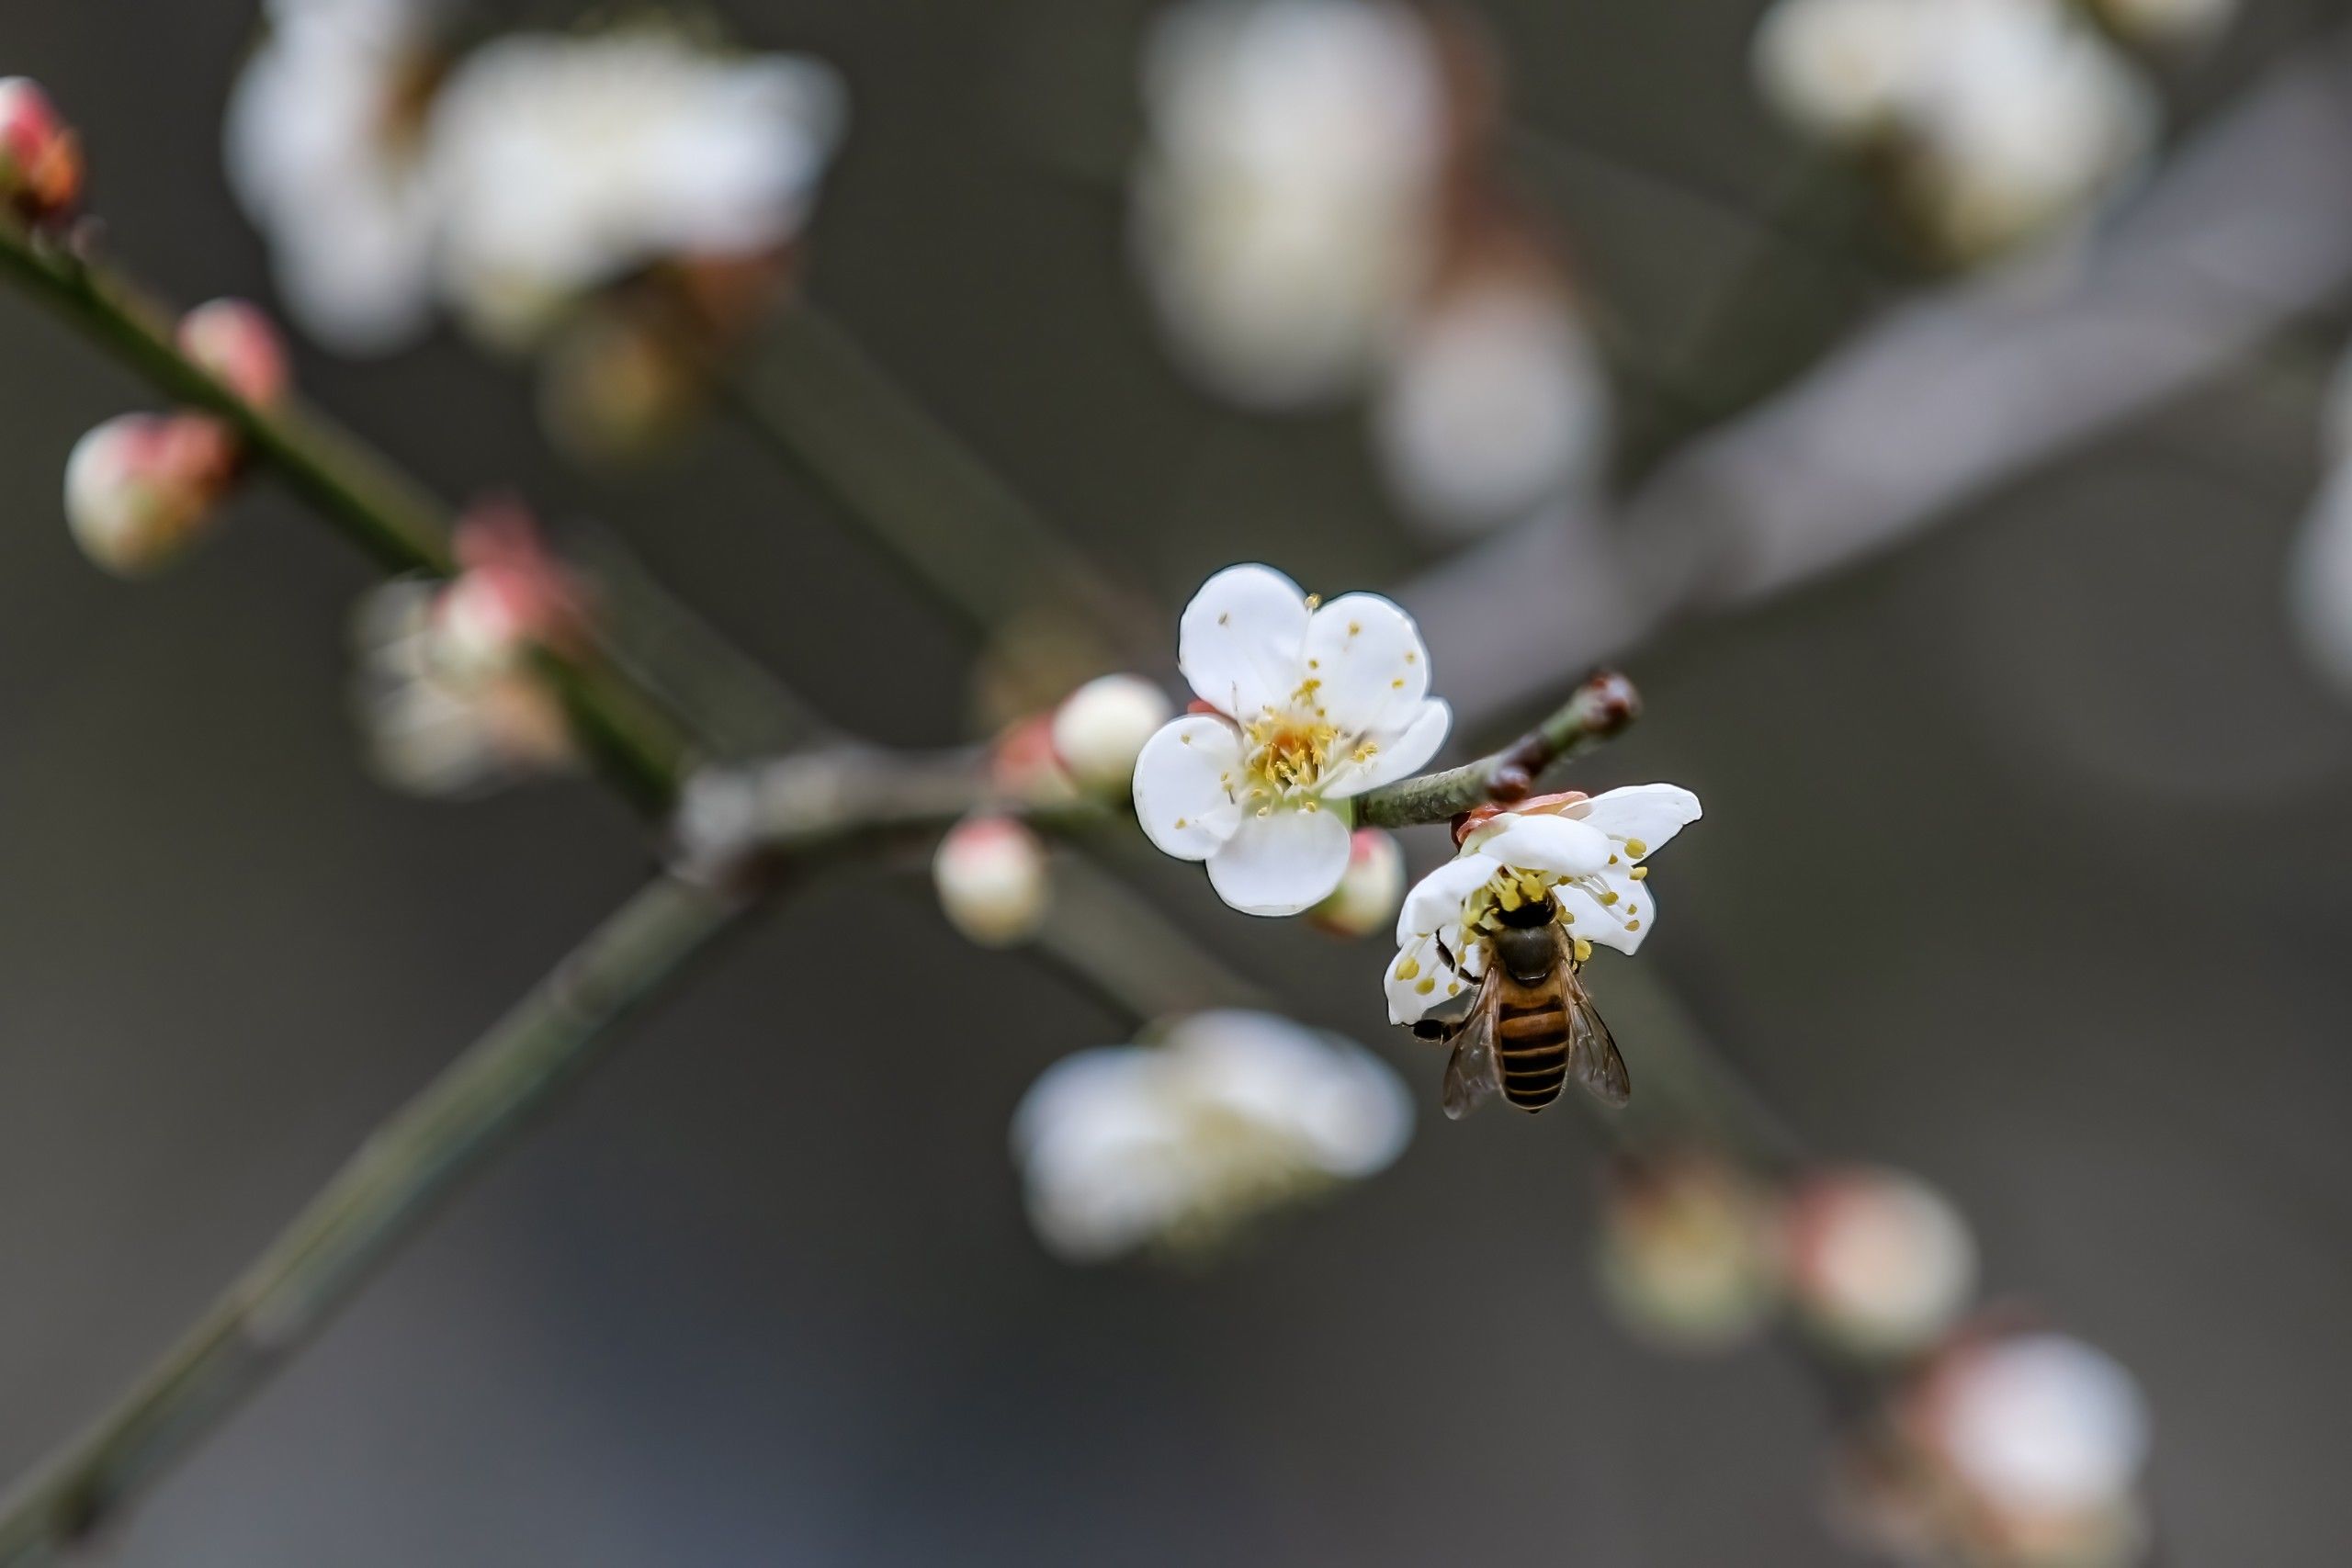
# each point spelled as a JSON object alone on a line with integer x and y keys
{"x": 1528, "y": 1026}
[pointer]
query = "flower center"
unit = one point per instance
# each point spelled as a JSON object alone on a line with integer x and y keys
{"x": 1288, "y": 753}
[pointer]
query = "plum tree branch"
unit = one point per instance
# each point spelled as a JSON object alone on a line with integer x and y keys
{"x": 621, "y": 724}
{"x": 1599, "y": 708}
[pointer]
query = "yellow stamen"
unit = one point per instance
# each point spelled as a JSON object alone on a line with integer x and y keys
{"x": 1584, "y": 950}
{"x": 1640, "y": 871}
{"x": 1314, "y": 601}
{"x": 1425, "y": 984}
{"x": 1407, "y": 967}
{"x": 1633, "y": 925}
{"x": 1609, "y": 897}
{"x": 1636, "y": 849}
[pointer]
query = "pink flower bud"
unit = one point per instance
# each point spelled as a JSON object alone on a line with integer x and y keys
{"x": 1022, "y": 765}
{"x": 140, "y": 488}
{"x": 511, "y": 594}
{"x": 1879, "y": 1263}
{"x": 990, "y": 872}
{"x": 1370, "y": 890}
{"x": 239, "y": 346}
{"x": 1100, "y": 729}
{"x": 41, "y": 158}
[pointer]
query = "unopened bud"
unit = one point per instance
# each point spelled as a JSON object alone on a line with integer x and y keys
{"x": 1879, "y": 1263}
{"x": 41, "y": 158}
{"x": 1686, "y": 1254}
{"x": 990, "y": 872}
{"x": 1370, "y": 890}
{"x": 141, "y": 487}
{"x": 237, "y": 344}
{"x": 1023, "y": 765}
{"x": 1100, "y": 729}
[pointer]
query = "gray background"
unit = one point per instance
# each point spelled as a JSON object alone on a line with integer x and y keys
{"x": 2022, "y": 867}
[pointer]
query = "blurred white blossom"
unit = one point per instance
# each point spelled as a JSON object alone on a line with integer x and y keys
{"x": 1173, "y": 1145}
{"x": 510, "y": 181}
{"x": 562, "y": 162}
{"x": 2043, "y": 1439}
{"x": 1583, "y": 854}
{"x": 1496, "y": 403}
{"x": 1878, "y": 1262}
{"x": 1998, "y": 119}
{"x": 325, "y": 140}
{"x": 1285, "y": 205}
{"x": 1312, "y": 705}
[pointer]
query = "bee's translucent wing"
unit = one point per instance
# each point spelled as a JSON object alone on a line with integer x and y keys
{"x": 1593, "y": 1052}
{"x": 1471, "y": 1075}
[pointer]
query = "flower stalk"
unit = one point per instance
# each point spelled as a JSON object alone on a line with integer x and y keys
{"x": 1601, "y": 707}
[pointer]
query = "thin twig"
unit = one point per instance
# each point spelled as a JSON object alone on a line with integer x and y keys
{"x": 373, "y": 502}
{"x": 1603, "y": 705}
{"x": 375, "y": 1202}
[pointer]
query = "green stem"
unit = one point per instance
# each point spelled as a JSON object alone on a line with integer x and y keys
{"x": 402, "y": 525}
{"x": 375, "y": 1202}
{"x": 1603, "y": 705}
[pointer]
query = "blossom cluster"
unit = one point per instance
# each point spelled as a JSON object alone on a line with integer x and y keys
{"x": 599, "y": 194}
{"x": 1314, "y": 219}
{"x": 1996, "y": 1440}
{"x": 1994, "y": 121}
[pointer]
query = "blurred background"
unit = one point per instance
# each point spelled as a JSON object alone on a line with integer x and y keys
{"x": 2021, "y": 870}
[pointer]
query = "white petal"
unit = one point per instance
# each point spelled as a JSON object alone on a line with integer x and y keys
{"x": 1370, "y": 659}
{"x": 1281, "y": 862}
{"x": 1549, "y": 843}
{"x": 1652, "y": 813}
{"x": 1434, "y": 906}
{"x": 1408, "y": 1001}
{"x": 1180, "y": 798}
{"x": 1239, "y": 642}
{"x": 1401, "y": 754}
{"x": 1621, "y": 925}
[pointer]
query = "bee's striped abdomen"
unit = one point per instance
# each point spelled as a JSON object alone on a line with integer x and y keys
{"x": 1531, "y": 1051}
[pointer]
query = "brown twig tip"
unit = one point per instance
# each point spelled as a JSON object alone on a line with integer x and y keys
{"x": 1611, "y": 702}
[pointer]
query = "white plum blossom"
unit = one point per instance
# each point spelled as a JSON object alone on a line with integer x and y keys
{"x": 324, "y": 144}
{"x": 1497, "y": 402}
{"x": 439, "y": 715}
{"x": 2035, "y": 1425}
{"x": 1584, "y": 855}
{"x": 1173, "y": 1145}
{"x": 1286, "y": 206}
{"x": 2001, "y": 117}
{"x": 560, "y": 163}
{"x": 1311, "y": 706}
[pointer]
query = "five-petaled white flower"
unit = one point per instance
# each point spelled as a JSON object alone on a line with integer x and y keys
{"x": 1175, "y": 1144}
{"x": 1584, "y": 854}
{"x": 1312, "y": 705}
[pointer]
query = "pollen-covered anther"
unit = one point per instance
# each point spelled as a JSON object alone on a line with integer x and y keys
{"x": 1639, "y": 872}
{"x": 1608, "y": 896}
{"x": 1636, "y": 849}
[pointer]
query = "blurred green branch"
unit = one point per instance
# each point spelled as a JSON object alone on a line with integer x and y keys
{"x": 376, "y": 1200}
{"x": 395, "y": 520}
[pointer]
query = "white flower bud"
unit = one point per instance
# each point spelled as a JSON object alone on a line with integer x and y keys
{"x": 1370, "y": 890}
{"x": 2041, "y": 1428}
{"x": 240, "y": 348}
{"x": 141, "y": 487}
{"x": 1879, "y": 1263}
{"x": 1100, "y": 729}
{"x": 990, "y": 872}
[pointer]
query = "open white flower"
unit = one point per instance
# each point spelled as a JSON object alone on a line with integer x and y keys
{"x": 563, "y": 163}
{"x": 1585, "y": 855}
{"x": 1173, "y": 1145}
{"x": 1313, "y": 705}
{"x": 324, "y": 143}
